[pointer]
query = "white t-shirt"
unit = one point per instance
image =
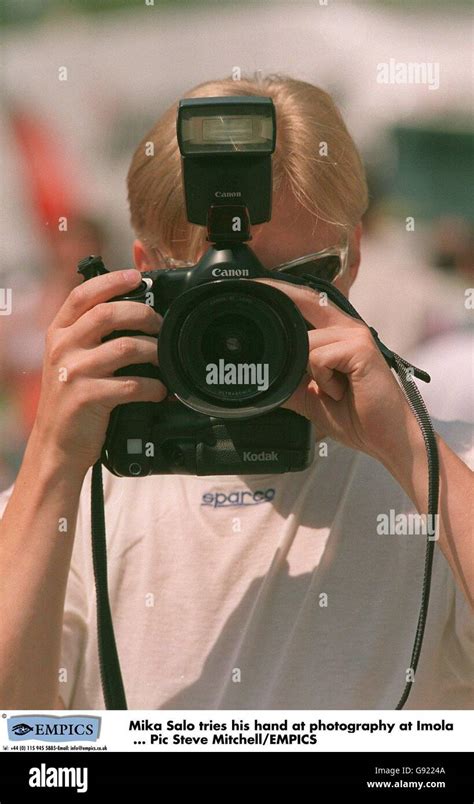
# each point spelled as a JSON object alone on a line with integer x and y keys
{"x": 267, "y": 592}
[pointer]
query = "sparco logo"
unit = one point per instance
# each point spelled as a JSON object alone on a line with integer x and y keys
{"x": 238, "y": 498}
{"x": 51, "y": 729}
{"x": 260, "y": 456}
{"x": 220, "y": 194}
{"x": 59, "y": 777}
{"x": 225, "y": 272}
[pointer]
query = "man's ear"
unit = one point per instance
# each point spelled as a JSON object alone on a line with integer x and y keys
{"x": 141, "y": 257}
{"x": 354, "y": 252}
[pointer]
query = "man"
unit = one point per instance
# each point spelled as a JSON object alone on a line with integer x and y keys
{"x": 273, "y": 591}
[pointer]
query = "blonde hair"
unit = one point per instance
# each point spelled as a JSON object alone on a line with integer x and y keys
{"x": 331, "y": 187}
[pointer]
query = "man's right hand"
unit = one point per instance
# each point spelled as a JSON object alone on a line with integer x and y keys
{"x": 79, "y": 389}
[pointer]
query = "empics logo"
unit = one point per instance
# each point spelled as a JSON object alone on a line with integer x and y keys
{"x": 59, "y": 777}
{"x": 51, "y": 729}
{"x": 21, "y": 729}
{"x": 223, "y": 373}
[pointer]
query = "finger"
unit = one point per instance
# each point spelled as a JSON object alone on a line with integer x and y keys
{"x": 108, "y": 317}
{"x": 115, "y": 354}
{"x": 322, "y": 364}
{"x": 314, "y": 306}
{"x": 333, "y": 334}
{"x": 93, "y": 292}
{"x": 113, "y": 391}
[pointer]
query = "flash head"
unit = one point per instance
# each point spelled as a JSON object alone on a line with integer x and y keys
{"x": 226, "y": 144}
{"x": 227, "y": 125}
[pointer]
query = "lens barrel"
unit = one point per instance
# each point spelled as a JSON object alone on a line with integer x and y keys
{"x": 233, "y": 348}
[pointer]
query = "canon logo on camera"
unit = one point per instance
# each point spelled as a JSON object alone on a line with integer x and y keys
{"x": 226, "y": 272}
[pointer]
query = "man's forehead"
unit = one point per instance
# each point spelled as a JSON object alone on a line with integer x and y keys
{"x": 292, "y": 232}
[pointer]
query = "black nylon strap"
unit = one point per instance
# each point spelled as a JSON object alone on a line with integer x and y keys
{"x": 110, "y": 673}
{"x": 418, "y": 407}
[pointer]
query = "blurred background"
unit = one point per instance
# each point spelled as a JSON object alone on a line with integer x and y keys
{"x": 83, "y": 80}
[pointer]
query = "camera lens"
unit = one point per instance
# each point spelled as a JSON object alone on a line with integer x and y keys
{"x": 233, "y": 348}
{"x": 233, "y": 337}
{"x": 258, "y": 347}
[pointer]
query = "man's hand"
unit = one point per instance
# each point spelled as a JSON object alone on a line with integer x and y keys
{"x": 79, "y": 388}
{"x": 349, "y": 393}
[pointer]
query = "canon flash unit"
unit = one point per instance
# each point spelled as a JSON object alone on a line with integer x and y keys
{"x": 226, "y": 145}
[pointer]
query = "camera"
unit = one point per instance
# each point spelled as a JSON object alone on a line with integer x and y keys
{"x": 231, "y": 349}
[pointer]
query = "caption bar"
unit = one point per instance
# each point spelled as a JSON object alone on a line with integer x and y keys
{"x": 236, "y": 731}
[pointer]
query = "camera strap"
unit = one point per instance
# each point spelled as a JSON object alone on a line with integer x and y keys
{"x": 111, "y": 676}
{"x": 110, "y": 673}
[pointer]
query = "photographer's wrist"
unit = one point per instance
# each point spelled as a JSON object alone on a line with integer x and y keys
{"x": 53, "y": 461}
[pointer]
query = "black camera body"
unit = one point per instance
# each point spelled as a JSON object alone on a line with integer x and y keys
{"x": 231, "y": 350}
{"x": 235, "y": 429}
